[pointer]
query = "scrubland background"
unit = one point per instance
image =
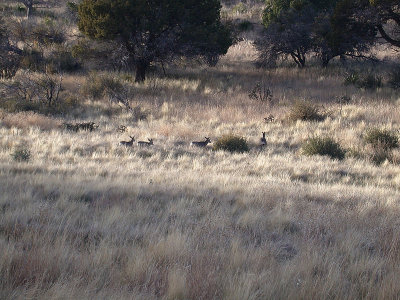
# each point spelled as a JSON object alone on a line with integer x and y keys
{"x": 86, "y": 218}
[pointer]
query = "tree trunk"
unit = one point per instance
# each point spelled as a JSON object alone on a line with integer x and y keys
{"x": 141, "y": 67}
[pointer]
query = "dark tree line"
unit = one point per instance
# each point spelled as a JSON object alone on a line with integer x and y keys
{"x": 326, "y": 28}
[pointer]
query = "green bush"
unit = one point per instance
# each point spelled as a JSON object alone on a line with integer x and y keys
{"x": 21, "y": 154}
{"x": 323, "y": 146}
{"x": 231, "y": 143}
{"x": 305, "y": 111}
{"x": 381, "y": 139}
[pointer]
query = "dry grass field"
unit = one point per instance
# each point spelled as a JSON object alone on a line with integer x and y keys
{"x": 86, "y": 218}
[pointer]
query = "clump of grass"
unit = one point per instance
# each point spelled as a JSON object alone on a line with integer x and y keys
{"x": 21, "y": 154}
{"x": 381, "y": 139}
{"x": 382, "y": 142}
{"x": 231, "y": 143}
{"x": 325, "y": 146}
{"x": 305, "y": 111}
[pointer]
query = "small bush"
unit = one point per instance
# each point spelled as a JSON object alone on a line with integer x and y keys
{"x": 380, "y": 155}
{"x": 305, "y": 111}
{"x": 394, "y": 79}
{"x": 381, "y": 139}
{"x": 351, "y": 78}
{"x": 323, "y": 146}
{"x": 62, "y": 60}
{"x": 261, "y": 92}
{"x": 370, "y": 82}
{"x": 32, "y": 60}
{"x": 21, "y": 154}
{"x": 98, "y": 86}
{"x": 231, "y": 143}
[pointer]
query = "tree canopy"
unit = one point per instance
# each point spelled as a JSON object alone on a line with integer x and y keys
{"x": 329, "y": 28}
{"x": 158, "y": 30}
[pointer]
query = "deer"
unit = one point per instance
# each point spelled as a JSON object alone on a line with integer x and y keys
{"x": 201, "y": 144}
{"x": 128, "y": 144}
{"x": 263, "y": 141}
{"x": 144, "y": 143}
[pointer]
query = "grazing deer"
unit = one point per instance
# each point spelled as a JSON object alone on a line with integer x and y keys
{"x": 143, "y": 143}
{"x": 201, "y": 144}
{"x": 263, "y": 141}
{"x": 128, "y": 144}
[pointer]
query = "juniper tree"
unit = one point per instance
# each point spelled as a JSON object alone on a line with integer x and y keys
{"x": 157, "y": 30}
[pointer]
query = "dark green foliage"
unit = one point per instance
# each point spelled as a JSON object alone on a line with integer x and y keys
{"x": 381, "y": 138}
{"x": 305, "y": 111}
{"x": 21, "y": 154}
{"x": 159, "y": 30}
{"x": 231, "y": 143}
{"x": 323, "y": 146}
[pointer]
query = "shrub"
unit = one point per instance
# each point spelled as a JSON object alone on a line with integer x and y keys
{"x": 99, "y": 85}
{"x": 231, "y": 143}
{"x": 323, "y": 146}
{"x": 261, "y": 92}
{"x": 351, "y": 78}
{"x": 381, "y": 139}
{"x": 394, "y": 79}
{"x": 379, "y": 155}
{"x": 370, "y": 82}
{"x": 32, "y": 60}
{"x": 62, "y": 60}
{"x": 305, "y": 111}
{"x": 21, "y": 154}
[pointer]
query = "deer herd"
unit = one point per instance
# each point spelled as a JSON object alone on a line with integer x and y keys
{"x": 90, "y": 126}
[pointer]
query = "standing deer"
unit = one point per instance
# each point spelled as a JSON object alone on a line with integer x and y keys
{"x": 263, "y": 141}
{"x": 128, "y": 144}
{"x": 143, "y": 143}
{"x": 201, "y": 144}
